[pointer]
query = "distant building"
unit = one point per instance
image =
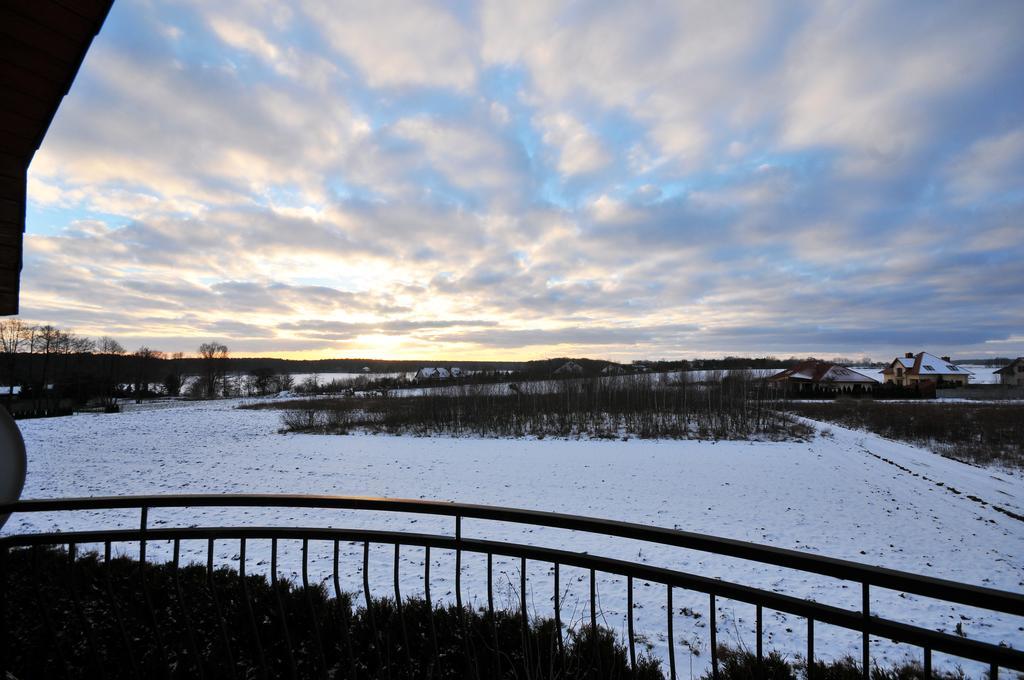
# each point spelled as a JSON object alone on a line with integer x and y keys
{"x": 439, "y": 373}
{"x": 569, "y": 368}
{"x": 613, "y": 369}
{"x": 911, "y": 369}
{"x": 822, "y": 375}
{"x": 431, "y": 373}
{"x": 1012, "y": 373}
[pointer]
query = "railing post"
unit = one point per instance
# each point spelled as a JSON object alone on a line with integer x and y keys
{"x": 211, "y": 584}
{"x": 161, "y": 649}
{"x": 185, "y": 616}
{"x": 4, "y": 651}
{"x": 430, "y": 610}
{"x": 344, "y": 614}
{"x": 398, "y": 605}
{"x": 558, "y": 612}
{"x": 143, "y": 522}
{"x": 319, "y": 646}
{"x": 714, "y": 637}
{"x": 810, "y": 649}
{"x": 522, "y": 595}
{"x": 671, "y": 635}
{"x": 115, "y": 606}
{"x": 490, "y": 612}
{"x": 250, "y": 614}
{"x": 865, "y": 607}
{"x": 458, "y": 562}
{"x": 760, "y": 641}
{"x": 632, "y": 637}
{"x": 595, "y": 650}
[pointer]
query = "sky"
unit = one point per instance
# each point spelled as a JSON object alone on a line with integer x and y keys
{"x": 516, "y": 180}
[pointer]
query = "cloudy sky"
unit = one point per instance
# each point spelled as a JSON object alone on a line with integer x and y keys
{"x": 529, "y": 179}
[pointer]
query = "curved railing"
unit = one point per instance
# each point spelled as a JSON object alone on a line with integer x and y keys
{"x": 863, "y": 621}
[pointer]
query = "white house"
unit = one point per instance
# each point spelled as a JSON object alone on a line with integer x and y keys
{"x": 432, "y": 373}
{"x": 439, "y": 373}
{"x": 569, "y": 368}
{"x": 911, "y": 369}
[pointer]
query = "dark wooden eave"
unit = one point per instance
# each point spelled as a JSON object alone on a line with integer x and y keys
{"x": 42, "y": 44}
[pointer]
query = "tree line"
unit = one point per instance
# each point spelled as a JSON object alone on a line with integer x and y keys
{"x": 53, "y": 369}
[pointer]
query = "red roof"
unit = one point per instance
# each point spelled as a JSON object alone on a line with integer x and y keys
{"x": 822, "y": 371}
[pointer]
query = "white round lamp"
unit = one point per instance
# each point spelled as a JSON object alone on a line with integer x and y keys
{"x": 12, "y": 461}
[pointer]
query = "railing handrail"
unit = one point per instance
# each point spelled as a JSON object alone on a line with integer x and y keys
{"x": 926, "y": 586}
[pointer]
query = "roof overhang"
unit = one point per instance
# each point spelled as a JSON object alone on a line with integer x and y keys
{"x": 42, "y": 45}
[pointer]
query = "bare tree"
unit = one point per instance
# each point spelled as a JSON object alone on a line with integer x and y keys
{"x": 145, "y": 360}
{"x": 214, "y": 366}
{"x": 15, "y": 337}
{"x": 46, "y": 341}
{"x": 110, "y": 351}
{"x": 172, "y": 379}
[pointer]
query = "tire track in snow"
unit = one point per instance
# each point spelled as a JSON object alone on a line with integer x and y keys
{"x": 943, "y": 485}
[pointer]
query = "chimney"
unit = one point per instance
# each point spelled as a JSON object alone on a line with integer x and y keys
{"x": 947, "y": 359}
{"x": 909, "y": 355}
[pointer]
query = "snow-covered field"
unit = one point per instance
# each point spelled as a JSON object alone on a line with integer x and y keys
{"x": 833, "y": 496}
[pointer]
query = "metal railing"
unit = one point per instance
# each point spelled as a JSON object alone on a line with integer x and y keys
{"x": 862, "y": 620}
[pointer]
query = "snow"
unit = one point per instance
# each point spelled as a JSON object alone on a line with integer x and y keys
{"x": 845, "y": 494}
{"x": 842, "y": 374}
{"x": 933, "y": 365}
{"x": 980, "y": 375}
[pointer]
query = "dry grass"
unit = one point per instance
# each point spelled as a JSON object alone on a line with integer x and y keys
{"x": 731, "y": 407}
{"x": 983, "y": 434}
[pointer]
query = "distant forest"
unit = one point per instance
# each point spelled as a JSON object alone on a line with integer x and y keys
{"x": 44, "y": 363}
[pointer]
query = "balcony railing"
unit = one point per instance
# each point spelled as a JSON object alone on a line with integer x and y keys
{"x": 862, "y": 620}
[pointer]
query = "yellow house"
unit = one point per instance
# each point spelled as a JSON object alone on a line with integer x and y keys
{"x": 911, "y": 369}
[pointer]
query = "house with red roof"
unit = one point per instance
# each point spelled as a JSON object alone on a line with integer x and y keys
{"x": 811, "y": 376}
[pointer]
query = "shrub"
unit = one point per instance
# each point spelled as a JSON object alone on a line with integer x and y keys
{"x": 733, "y": 406}
{"x": 977, "y": 433}
{"x": 81, "y": 619}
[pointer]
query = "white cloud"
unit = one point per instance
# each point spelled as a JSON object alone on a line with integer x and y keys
{"x": 988, "y": 168}
{"x": 469, "y": 156}
{"x": 672, "y": 67}
{"x": 397, "y": 43}
{"x": 870, "y": 79}
{"x": 245, "y": 37}
{"x": 579, "y": 151}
